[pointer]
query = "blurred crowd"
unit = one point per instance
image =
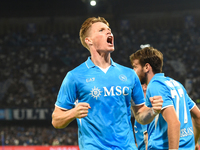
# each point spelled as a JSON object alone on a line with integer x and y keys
{"x": 31, "y": 135}
{"x": 33, "y": 65}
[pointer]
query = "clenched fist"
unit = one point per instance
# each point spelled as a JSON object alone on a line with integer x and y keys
{"x": 156, "y": 103}
{"x": 81, "y": 110}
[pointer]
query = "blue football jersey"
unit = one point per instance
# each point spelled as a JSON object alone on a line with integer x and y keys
{"x": 139, "y": 135}
{"x": 173, "y": 94}
{"x": 108, "y": 124}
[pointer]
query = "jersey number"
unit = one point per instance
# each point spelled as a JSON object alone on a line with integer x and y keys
{"x": 180, "y": 96}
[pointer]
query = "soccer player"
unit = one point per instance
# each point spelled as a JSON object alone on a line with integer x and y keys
{"x": 104, "y": 90}
{"x": 172, "y": 128}
{"x": 140, "y": 130}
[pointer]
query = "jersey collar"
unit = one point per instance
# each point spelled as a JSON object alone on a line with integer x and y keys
{"x": 90, "y": 64}
{"x": 157, "y": 75}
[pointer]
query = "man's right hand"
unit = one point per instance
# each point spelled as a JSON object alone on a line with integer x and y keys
{"x": 81, "y": 110}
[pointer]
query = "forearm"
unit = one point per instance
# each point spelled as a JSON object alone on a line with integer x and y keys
{"x": 173, "y": 135}
{"x": 196, "y": 146}
{"x": 62, "y": 119}
{"x": 195, "y": 113}
{"x": 196, "y": 127}
{"x": 145, "y": 115}
{"x": 146, "y": 140}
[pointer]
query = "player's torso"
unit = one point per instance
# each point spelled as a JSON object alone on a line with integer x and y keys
{"x": 139, "y": 135}
{"x": 109, "y": 95}
{"x": 180, "y": 103}
{"x": 180, "y": 99}
{"x": 110, "y": 88}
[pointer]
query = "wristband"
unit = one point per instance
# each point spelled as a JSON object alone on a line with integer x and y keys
{"x": 154, "y": 113}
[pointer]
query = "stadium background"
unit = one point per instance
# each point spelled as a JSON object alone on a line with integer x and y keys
{"x": 39, "y": 44}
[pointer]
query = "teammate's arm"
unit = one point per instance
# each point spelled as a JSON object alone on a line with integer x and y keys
{"x": 62, "y": 117}
{"x": 146, "y": 140}
{"x": 143, "y": 114}
{"x": 173, "y": 131}
{"x": 196, "y": 146}
{"x": 195, "y": 113}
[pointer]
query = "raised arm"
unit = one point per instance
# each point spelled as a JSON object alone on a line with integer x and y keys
{"x": 144, "y": 114}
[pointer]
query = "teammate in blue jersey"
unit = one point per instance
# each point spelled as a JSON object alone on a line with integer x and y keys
{"x": 141, "y": 135}
{"x": 104, "y": 90}
{"x": 172, "y": 128}
{"x": 140, "y": 130}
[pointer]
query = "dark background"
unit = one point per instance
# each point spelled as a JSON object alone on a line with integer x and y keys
{"x": 41, "y": 8}
{"x": 56, "y": 18}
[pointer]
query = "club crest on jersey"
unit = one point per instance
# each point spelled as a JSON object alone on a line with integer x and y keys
{"x": 95, "y": 92}
{"x": 122, "y": 77}
{"x": 89, "y": 80}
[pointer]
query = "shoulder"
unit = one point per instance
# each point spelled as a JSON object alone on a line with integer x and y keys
{"x": 72, "y": 74}
{"x": 80, "y": 68}
{"x": 158, "y": 86}
{"x": 124, "y": 68}
{"x": 159, "y": 80}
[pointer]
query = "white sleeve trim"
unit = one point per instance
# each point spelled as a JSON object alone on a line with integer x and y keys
{"x": 61, "y": 107}
{"x": 193, "y": 106}
{"x": 138, "y": 104}
{"x": 145, "y": 132}
{"x": 167, "y": 106}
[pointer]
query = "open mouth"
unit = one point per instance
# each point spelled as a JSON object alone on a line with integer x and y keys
{"x": 109, "y": 40}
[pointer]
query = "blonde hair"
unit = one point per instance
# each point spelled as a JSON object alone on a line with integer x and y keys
{"x": 86, "y": 26}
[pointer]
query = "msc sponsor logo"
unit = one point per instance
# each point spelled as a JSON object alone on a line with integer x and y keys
{"x": 95, "y": 92}
{"x": 113, "y": 91}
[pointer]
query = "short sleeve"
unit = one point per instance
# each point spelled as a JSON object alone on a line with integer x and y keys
{"x": 67, "y": 93}
{"x": 137, "y": 93}
{"x": 157, "y": 88}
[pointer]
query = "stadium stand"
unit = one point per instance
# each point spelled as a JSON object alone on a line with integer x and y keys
{"x": 33, "y": 63}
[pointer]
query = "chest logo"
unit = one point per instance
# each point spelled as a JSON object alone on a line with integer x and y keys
{"x": 122, "y": 77}
{"x": 95, "y": 92}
